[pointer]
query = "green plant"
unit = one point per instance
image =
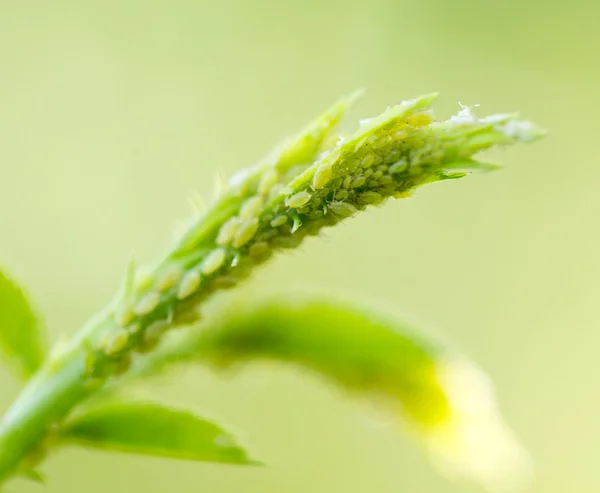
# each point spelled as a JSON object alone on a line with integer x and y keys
{"x": 77, "y": 393}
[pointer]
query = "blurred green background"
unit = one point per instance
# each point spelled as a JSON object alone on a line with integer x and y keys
{"x": 112, "y": 112}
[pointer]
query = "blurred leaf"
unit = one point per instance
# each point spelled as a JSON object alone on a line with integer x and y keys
{"x": 358, "y": 350}
{"x": 152, "y": 429}
{"x": 445, "y": 398}
{"x": 21, "y": 337}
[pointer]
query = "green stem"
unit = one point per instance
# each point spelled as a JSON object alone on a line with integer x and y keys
{"x": 48, "y": 397}
{"x": 271, "y": 207}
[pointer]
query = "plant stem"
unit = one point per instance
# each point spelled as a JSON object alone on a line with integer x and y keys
{"x": 271, "y": 207}
{"x": 48, "y": 397}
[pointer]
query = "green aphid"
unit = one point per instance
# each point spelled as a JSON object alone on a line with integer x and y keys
{"x": 370, "y": 198}
{"x": 245, "y": 233}
{"x": 268, "y": 180}
{"x": 251, "y": 207}
{"x": 146, "y": 304}
{"x": 342, "y": 209}
{"x": 358, "y": 182}
{"x": 116, "y": 342}
{"x": 298, "y": 200}
{"x": 189, "y": 285}
{"x": 341, "y": 194}
{"x": 214, "y": 261}
{"x": 279, "y": 221}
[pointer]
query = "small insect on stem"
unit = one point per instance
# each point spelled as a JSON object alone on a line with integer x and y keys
{"x": 245, "y": 233}
{"x": 189, "y": 285}
{"x": 147, "y": 304}
{"x": 214, "y": 261}
{"x": 298, "y": 200}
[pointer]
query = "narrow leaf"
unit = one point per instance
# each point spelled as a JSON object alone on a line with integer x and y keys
{"x": 21, "y": 338}
{"x": 445, "y": 398}
{"x": 152, "y": 429}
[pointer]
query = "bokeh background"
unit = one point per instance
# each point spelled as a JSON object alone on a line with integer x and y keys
{"x": 112, "y": 112}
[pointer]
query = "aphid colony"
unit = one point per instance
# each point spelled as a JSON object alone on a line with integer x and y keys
{"x": 274, "y": 217}
{"x": 276, "y": 205}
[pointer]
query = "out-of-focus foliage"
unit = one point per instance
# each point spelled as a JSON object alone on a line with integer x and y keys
{"x": 445, "y": 399}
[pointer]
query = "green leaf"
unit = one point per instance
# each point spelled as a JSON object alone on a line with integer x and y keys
{"x": 359, "y": 350}
{"x": 152, "y": 429}
{"x": 444, "y": 398}
{"x": 21, "y": 333}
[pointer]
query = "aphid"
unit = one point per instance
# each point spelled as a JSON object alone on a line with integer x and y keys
{"x": 392, "y": 156}
{"x": 275, "y": 190}
{"x": 228, "y": 231}
{"x": 337, "y": 183}
{"x": 368, "y": 172}
{"x": 167, "y": 280}
{"x": 251, "y": 207}
{"x": 116, "y": 342}
{"x": 372, "y": 139}
{"x": 267, "y": 234}
{"x": 259, "y": 249}
{"x": 298, "y": 200}
{"x": 317, "y": 214}
{"x": 323, "y": 175}
{"x": 285, "y": 191}
{"x": 268, "y": 180}
{"x": 367, "y": 161}
{"x": 286, "y": 241}
{"x": 347, "y": 182}
{"x": 146, "y": 304}
{"x": 143, "y": 280}
{"x": 123, "y": 317}
{"x": 279, "y": 221}
{"x": 343, "y": 209}
{"x": 341, "y": 194}
{"x": 215, "y": 260}
{"x": 224, "y": 282}
{"x": 303, "y": 210}
{"x": 398, "y": 167}
{"x": 358, "y": 182}
{"x": 370, "y": 197}
{"x": 133, "y": 328}
{"x": 419, "y": 119}
{"x": 154, "y": 331}
{"x": 386, "y": 180}
{"x": 245, "y": 233}
{"x": 186, "y": 316}
{"x": 189, "y": 284}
